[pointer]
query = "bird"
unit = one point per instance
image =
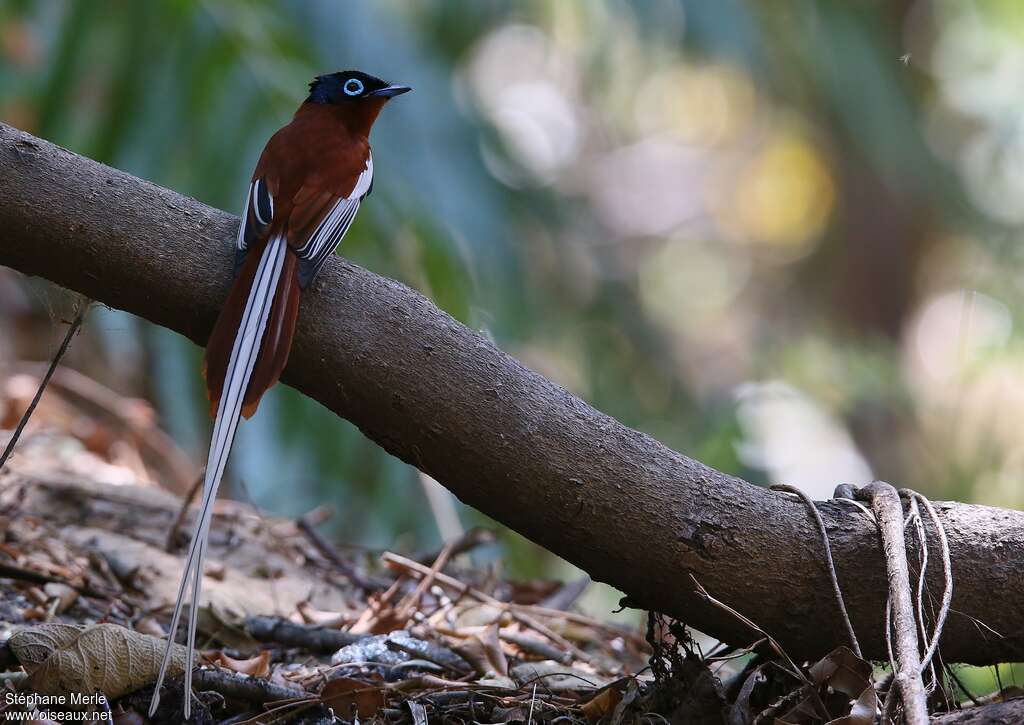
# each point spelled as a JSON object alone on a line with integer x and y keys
{"x": 309, "y": 182}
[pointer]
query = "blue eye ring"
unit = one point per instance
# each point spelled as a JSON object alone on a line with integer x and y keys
{"x": 353, "y": 87}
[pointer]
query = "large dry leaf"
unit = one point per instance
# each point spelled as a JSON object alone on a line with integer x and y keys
{"x": 843, "y": 672}
{"x": 345, "y": 695}
{"x": 739, "y": 713}
{"x": 482, "y": 649}
{"x": 107, "y": 658}
{"x": 863, "y": 710}
{"x": 33, "y": 646}
{"x": 378, "y": 618}
{"x": 604, "y": 702}
{"x": 847, "y": 673}
{"x": 258, "y": 666}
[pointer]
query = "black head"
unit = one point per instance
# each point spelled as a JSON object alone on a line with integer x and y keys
{"x": 349, "y": 86}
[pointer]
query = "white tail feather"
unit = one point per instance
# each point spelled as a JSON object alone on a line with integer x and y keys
{"x": 240, "y": 367}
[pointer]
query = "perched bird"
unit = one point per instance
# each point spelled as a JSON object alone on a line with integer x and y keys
{"x": 309, "y": 182}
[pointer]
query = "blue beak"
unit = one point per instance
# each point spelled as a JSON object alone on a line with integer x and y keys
{"x": 390, "y": 91}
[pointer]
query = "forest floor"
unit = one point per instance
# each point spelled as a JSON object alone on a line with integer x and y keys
{"x": 95, "y": 515}
{"x": 291, "y": 630}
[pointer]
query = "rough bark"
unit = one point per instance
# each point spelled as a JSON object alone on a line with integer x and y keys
{"x": 505, "y": 440}
{"x": 1010, "y": 712}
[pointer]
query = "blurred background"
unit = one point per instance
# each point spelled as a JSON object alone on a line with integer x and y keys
{"x": 783, "y": 238}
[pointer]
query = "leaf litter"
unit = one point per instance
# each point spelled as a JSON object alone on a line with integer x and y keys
{"x": 293, "y": 632}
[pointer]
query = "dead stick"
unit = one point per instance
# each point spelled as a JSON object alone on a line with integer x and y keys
{"x": 332, "y": 556}
{"x": 535, "y": 646}
{"x": 829, "y": 563}
{"x": 9, "y": 571}
{"x": 401, "y": 562}
{"x": 947, "y": 575}
{"x": 75, "y": 324}
{"x": 885, "y": 502}
{"x": 470, "y": 540}
{"x": 320, "y": 640}
{"x": 405, "y": 607}
{"x": 791, "y": 666}
{"x": 183, "y": 511}
{"x": 245, "y": 688}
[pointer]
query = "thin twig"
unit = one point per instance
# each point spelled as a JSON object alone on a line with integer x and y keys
{"x": 183, "y": 512}
{"x": 889, "y": 705}
{"x": 347, "y": 569}
{"x": 475, "y": 537}
{"x": 567, "y": 594}
{"x": 830, "y": 564}
{"x": 10, "y": 571}
{"x": 959, "y": 683}
{"x": 888, "y": 634}
{"x": 405, "y": 608}
{"x": 535, "y": 646}
{"x": 885, "y": 502}
{"x": 75, "y": 325}
{"x": 858, "y": 505}
{"x": 792, "y": 668}
{"x": 947, "y": 572}
{"x": 921, "y": 537}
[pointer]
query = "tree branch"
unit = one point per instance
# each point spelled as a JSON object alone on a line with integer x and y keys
{"x": 441, "y": 397}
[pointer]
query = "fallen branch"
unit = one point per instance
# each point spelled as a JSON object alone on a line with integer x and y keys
{"x": 442, "y": 397}
{"x": 1011, "y": 711}
{"x": 246, "y": 688}
{"x": 320, "y": 640}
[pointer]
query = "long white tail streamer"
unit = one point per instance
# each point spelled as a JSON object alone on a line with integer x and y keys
{"x": 240, "y": 367}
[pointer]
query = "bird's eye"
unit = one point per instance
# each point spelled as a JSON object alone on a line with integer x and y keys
{"x": 353, "y": 87}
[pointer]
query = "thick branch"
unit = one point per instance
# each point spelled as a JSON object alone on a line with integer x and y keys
{"x": 504, "y": 439}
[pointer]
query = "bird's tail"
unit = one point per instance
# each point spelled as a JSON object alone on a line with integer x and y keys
{"x": 257, "y": 320}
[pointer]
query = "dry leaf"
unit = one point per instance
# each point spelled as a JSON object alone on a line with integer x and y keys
{"x": 107, "y": 658}
{"x": 258, "y": 666}
{"x": 863, "y": 710}
{"x": 482, "y": 649}
{"x": 478, "y": 615}
{"x": 604, "y": 703}
{"x": 739, "y": 713}
{"x": 378, "y": 618}
{"x": 840, "y": 671}
{"x": 344, "y": 695}
{"x": 33, "y": 646}
{"x": 310, "y": 615}
{"x": 35, "y": 614}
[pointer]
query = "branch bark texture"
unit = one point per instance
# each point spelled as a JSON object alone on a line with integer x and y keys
{"x": 614, "y": 501}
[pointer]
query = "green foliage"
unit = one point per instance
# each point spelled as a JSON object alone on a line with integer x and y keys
{"x": 782, "y": 238}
